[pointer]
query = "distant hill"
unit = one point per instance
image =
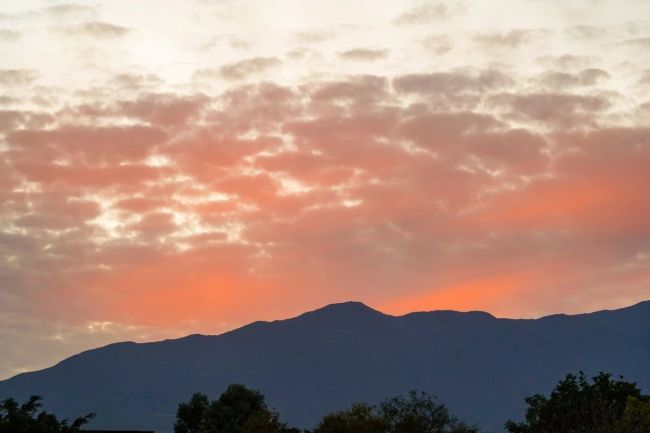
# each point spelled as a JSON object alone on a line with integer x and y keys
{"x": 480, "y": 366}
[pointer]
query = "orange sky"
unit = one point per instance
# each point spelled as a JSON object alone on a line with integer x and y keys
{"x": 159, "y": 177}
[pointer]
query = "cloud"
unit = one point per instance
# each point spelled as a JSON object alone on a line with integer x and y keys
{"x": 362, "y": 89}
{"x": 565, "y": 80}
{"x": 97, "y": 29}
{"x": 562, "y": 110}
{"x": 438, "y": 44}
{"x": 70, "y": 10}
{"x": 229, "y": 40}
{"x": 638, "y": 42}
{"x": 157, "y": 207}
{"x": 584, "y": 32}
{"x": 51, "y": 212}
{"x": 511, "y": 39}
{"x": 592, "y": 76}
{"x": 17, "y": 77}
{"x": 452, "y": 82}
{"x": 645, "y": 77}
{"x": 135, "y": 81}
{"x": 314, "y": 36}
{"x": 568, "y": 61}
{"x": 364, "y": 54}
{"x": 163, "y": 109}
{"x": 8, "y": 35}
{"x": 239, "y": 70}
{"x": 86, "y": 144}
{"x": 430, "y": 12}
{"x": 9, "y": 119}
{"x": 62, "y": 12}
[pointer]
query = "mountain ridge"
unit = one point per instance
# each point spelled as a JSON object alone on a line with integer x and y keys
{"x": 321, "y": 360}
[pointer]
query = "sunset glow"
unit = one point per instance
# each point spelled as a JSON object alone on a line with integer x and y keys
{"x": 174, "y": 167}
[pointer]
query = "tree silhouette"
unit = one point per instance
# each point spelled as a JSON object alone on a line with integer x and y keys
{"x": 191, "y": 416}
{"x": 27, "y": 418}
{"x": 636, "y": 417}
{"x": 415, "y": 412}
{"x": 238, "y": 410}
{"x": 418, "y": 412}
{"x": 578, "y": 405}
{"x": 360, "y": 418}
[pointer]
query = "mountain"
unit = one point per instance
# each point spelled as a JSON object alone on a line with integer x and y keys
{"x": 480, "y": 366}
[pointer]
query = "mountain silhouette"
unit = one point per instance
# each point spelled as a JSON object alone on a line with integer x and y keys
{"x": 480, "y": 366}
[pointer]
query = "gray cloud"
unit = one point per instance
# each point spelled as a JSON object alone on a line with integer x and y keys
{"x": 97, "y": 29}
{"x": 239, "y": 70}
{"x": 17, "y": 77}
{"x": 366, "y": 54}
{"x": 430, "y": 12}
{"x": 8, "y": 35}
{"x": 511, "y": 39}
{"x": 123, "y": 192}
{"x": 638, "y": 42}
{"x": 438, "y": 44}
{"x": 452, "y": 82}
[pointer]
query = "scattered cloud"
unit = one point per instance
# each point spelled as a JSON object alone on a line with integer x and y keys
{"x": 430, "y": 12}
{"x": 555, "y": 109}
{"x": 564, "y": 80}
{"x": 584, "y": 32}
{"x": 240, "y": 70}
{"x": 452, "y": 82}
{"x": 17, "y": 77}
{"x": 8, "y": 35}
{"x": 262, "y": 177}
{"x": 511, "y": 39}
{"x": 363, "y": 54}
{"x": 638, "y": 42}
{"x": 414, "y": 165}
{"x": 97, "y": 29}
{"x": 314, "y": 36}
{"x": 71, "y": 10}
{"x": 568, "y": 61}
{"x": 438, "y": 44}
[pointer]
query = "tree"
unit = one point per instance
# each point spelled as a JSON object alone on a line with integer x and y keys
{"x": 238, "y": 410}
{"x": 360, "y": 418}
{"x": 234, "y": 408}
{"x": 578, "y": 405}
{"x": 416, "y": 412}
{"x": 191, "y": 416}
{"x": 636, "y": 417}
{"x": 15, "y": 418}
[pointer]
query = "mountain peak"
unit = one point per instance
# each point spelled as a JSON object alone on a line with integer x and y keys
{"x": 344, "y": 309}
{"x": 349, "y": 305}
{"x": 342, "y": 353}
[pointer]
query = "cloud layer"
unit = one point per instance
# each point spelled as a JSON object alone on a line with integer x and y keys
{"x": 267, "y": 178}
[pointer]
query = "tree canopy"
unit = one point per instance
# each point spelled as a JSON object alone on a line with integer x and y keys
{"x": 29, "y": 418}
{"x": 360, "y": 418}
{"x": 415, "y": 412}
{"x": 238, "y": 410}
{"x": 636, "y": 417}
{"x": 580, "y": 405}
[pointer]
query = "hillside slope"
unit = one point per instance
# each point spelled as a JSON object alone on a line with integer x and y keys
{"x": 480, "y": 366}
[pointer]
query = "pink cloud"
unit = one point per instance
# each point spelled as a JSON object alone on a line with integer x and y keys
{"x": 295, "y": 196}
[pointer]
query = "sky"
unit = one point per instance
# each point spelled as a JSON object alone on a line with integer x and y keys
{"x": 177, "y": 167}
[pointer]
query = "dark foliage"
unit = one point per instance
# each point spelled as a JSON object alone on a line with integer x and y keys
{"x": 360, "y": 418}
{"x": 580, "y": 405}
{"x": 636, "y": 417}
{"x": 28, "y": 418}
{"x": 238, "y": 410}
{"x": 416, "y": 412}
